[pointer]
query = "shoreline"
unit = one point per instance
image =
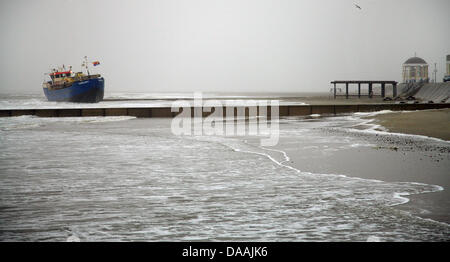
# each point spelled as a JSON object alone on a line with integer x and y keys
{"x": 431, "y": 123}
{"x": 390, "y": 158}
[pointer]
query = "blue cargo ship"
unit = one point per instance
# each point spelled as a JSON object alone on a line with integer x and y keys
{"x": 66, "y": 86}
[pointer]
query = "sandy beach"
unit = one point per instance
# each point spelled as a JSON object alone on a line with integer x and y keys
{"x": 392, "y": 158}
{"x": 385, "y": 156}
{"x": 384, "y": 163}
{"x": 433, "y": 123}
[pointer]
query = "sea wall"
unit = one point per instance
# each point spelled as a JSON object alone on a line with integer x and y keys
{"x": 436, "y": 92}
{"x": 284, "y": 110}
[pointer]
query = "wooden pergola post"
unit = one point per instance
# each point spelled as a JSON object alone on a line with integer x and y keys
{"x": 359, "y": 90}
{"x": 346, "y": 90}
{"x": 334, "y": 90}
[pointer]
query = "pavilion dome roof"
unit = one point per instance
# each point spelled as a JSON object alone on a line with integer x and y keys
{"x": 415, "y": 60}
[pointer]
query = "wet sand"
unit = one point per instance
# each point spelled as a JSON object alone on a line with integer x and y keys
{"x": 428, "y": 165}
{"x": 433, "y": 123}
{"x": 388, "y": 158}
{"x": 391, "y": 166}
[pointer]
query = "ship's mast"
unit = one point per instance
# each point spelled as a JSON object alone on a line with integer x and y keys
{"x": 85, "y": 64}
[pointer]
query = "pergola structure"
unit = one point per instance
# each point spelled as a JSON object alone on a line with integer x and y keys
{"x": 370, "y": 84}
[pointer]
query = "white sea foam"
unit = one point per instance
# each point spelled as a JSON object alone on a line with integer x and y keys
{"x": 373, "y": 239}
{"x": 400, "y": 197}
{"x": 365, "y": 114}
{"x": 73, "y": 239}
{"x": 397, "y": 198}
{"x": 27, "y": 121}
{"x": 372, "y": 127}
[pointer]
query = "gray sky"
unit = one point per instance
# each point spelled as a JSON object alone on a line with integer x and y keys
{"x": 220, "y": 45}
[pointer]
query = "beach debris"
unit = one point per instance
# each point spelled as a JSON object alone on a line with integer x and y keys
{"x": 393, "y": 148}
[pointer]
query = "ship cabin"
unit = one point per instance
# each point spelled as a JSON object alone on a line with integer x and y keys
{"x": 58, "y": 75}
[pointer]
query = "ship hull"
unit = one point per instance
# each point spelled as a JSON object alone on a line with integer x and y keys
{"x": 88, "y": 91}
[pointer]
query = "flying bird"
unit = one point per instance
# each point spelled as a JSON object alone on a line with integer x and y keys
{"x": 357, "y": 6}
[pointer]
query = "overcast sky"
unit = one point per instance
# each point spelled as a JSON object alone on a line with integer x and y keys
{"x": 220, "y": 45}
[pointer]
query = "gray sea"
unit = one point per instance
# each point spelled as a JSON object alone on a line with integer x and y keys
{"x": 121, "y": 100}
{"x": 128, "y": 179}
